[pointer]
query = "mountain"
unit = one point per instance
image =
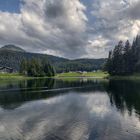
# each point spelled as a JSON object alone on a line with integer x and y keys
{"x": 12, "y": 48}
{"x": 11, "y": 56}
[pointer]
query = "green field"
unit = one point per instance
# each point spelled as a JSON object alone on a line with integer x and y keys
{"x": 11, "y": 76}
{"x": 70, "y": 75}
{"x": 16, "y": 76}
{"x": 99, "y": 74}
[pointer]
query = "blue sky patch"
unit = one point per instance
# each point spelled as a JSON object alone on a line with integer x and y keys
{"x": 12, "y": 6}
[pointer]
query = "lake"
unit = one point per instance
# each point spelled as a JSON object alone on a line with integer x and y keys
{"x": 69, "y": 109}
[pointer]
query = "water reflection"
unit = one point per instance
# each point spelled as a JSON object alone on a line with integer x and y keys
{"x": 81, "y": 109}
{"x": 13, "y": 94}
{"x": 125, "y": 95}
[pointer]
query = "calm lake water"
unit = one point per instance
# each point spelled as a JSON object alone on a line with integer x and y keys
{"x": 82, "y": 109}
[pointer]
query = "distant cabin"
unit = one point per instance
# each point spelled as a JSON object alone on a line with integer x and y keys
{"x": 6, "y": 70}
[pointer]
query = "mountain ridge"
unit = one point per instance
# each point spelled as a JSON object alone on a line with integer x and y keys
{"x": 12, "y": 56}
{"x": 11, "y": 47}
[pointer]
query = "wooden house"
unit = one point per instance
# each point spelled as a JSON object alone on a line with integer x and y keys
{"x": 6, "y": 70}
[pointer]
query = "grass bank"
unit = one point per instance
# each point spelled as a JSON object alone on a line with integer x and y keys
{"x": 17, "y": 76}
{"x": 98, "y": 74}
{"x": 71, "y": 76}
{"x": 135, "y": 76}
{"x": 11, "y": 76}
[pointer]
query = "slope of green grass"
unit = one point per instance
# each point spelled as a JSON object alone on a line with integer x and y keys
{"x": 99, "y": 74}
{"x": 11, "y": 76}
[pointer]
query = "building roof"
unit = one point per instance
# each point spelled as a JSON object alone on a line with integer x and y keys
{"x": 4, "y": 67}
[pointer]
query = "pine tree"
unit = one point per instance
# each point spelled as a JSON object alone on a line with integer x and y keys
{"x": 127, "y": 59}
{"x": 117, "y": 60}
{"x": 36, "y": 68}
{"x": 108, "y": 64}
{"x": 23, "y": 67}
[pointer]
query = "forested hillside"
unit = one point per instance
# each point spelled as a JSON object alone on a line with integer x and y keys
{"x": 12, "y": 57}
{"x": 80, "y": 65}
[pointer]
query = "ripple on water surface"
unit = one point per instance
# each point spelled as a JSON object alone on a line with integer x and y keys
{"x": 77, "y": 114}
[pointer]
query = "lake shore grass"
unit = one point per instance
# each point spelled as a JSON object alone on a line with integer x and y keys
{"x": 135, "y": 76}
{"x": 17, "y": 76}
{"x": 11, "y": 76}
{"x": 98, "y": 74}
{"x": 71, "y": 75}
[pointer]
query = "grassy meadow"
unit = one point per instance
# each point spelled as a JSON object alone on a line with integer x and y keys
{"x": 70, "y": 75}
{"x": 11, "y": 76}
{"x": 98, "y": 74}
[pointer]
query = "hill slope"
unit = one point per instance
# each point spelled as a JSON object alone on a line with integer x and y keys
{"x": 12, "y": 48}
{"x": 12, "y": 56}
{"x": 80, "y": 65}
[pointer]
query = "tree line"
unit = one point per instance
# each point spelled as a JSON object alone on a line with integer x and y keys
{"x": 125, "y": 58}
{"x": 13, "y": 60}
{"x": 80, "y": 65}
{"x": 36, "y": 68}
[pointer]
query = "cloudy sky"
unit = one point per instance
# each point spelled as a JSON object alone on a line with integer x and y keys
{"x": 68, "y": 28}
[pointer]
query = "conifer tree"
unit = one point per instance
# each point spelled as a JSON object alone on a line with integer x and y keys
{"x": 127, "y": 58}
{"x": 23, "y": 67}
{"x": 36, "y": 68}
{"x": 117, "y": 60}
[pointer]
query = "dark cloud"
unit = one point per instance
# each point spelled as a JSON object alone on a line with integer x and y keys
{"x": 54, "y": 10}
{"x": 134, "y": 11}
{"x": 59, "y": 27}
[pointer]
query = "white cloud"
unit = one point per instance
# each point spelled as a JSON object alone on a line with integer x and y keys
{"x": 57, "y": 26}
{"x": 61, "y": 27}
{"x": 116, "y": 20}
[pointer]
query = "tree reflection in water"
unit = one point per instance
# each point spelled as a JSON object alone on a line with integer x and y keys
{"x": 125, "y": 94}
{"x": 70, "y": 109}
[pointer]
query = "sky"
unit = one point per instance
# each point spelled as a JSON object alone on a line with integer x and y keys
{"x": 69, "y": 28}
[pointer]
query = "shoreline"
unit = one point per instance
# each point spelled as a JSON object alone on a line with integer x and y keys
{"x": 132, "y": 77}
{"x": 89, "y": 75}
{"x": 16, "y": 76}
